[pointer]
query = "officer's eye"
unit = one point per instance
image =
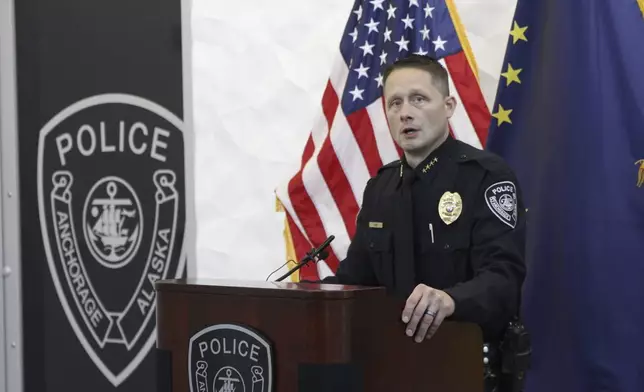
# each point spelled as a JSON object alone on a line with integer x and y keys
{"x": 418, "y": 99}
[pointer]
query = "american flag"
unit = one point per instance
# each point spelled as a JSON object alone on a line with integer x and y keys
{"x": 350, "y": 140}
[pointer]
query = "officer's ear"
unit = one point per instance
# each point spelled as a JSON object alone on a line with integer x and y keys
{"x": 450, "y": 105}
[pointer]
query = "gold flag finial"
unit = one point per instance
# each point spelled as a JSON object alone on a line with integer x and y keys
{"x": 640, "y": 173}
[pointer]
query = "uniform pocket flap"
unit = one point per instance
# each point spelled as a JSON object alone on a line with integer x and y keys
{"x": 456, "y": 240}
{"x": 445, "y": 240}
{"x": 378, "y": 239}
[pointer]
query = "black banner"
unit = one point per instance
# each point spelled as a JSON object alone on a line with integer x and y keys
{"x": 102, "y": 146}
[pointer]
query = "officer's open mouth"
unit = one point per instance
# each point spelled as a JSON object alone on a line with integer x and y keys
{"x": 409, "y": 131}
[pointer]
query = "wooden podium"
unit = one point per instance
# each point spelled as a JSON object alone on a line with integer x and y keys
{"x": 267, "y": 336}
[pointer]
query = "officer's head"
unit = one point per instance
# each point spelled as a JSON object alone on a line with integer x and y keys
{"x": 418, "y": 103}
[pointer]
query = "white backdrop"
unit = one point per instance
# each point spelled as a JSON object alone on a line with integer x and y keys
{"x": 259, "y": 71}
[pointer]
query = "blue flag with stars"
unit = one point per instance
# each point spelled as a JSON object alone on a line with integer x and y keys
{"x": 569, "y": 118}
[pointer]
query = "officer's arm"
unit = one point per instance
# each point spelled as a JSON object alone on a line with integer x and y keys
{"x": 356, "y": 268}
{"x": 492, "y": 297}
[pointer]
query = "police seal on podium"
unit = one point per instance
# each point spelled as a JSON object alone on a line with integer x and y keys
{"x": 230, "y": 357}
{"x": 111, "y": 197}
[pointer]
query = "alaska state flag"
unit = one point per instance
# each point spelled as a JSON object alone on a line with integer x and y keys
{"x": 569, "y": 118}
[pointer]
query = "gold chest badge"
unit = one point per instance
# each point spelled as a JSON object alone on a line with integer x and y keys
{"x": 450, "y": 207}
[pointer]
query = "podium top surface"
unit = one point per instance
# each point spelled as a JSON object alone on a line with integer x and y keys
{"x": 266, "y": 288}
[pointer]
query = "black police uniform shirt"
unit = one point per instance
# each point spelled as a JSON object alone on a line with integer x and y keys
{"x": 455, "y": 223}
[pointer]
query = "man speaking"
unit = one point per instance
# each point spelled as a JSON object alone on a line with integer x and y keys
{"x": 444, "y": 227}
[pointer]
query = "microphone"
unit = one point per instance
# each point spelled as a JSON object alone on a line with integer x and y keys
{"x": 323, "y": 255}
{"x": 318, "y": 253}
{"x": 323, "y": 246}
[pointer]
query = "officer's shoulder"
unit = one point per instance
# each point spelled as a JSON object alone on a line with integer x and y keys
{"x": 387, "y": 171}
{"x": 481, "y": 159}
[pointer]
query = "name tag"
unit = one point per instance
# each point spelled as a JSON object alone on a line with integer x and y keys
{"x": 375, "y": 225}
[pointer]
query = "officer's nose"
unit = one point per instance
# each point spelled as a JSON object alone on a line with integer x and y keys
{"x": 405, "y": 113}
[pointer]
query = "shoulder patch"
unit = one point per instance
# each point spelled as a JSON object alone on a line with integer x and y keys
{"x": 501, "y": 198}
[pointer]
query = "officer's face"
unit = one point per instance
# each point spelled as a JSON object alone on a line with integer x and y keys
{"x": 417, "y": 111}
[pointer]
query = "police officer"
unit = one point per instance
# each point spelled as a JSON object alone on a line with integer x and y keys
{"x": 444, "y": 226}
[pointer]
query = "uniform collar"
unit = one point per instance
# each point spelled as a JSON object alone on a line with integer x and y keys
{"x": 432, "y": 162}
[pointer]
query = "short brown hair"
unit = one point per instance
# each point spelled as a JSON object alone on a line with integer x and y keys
{"x": 426, "y": 63}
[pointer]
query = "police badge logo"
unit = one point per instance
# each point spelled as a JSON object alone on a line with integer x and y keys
{"x": 501, "y": 198}
{"x": 111, "y": 197}
{"x": 450, "y": 207}
{"x": 230, "y": 357}
{"x": 109, "y": 214}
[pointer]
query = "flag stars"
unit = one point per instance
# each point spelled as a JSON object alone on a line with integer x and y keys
{"x": 518, "y": 33}
{"x": 357, "y": 93}
{"x": 428, "y": 11}
{"x": 358, "y": 12}
{"x": 362, "y": 71}
{"x": 387, "y": 34}
{"x": 377, "y": 4}
{"x": 383, "y": 57}
{"x": 402, "y": 44}
{"x": 409, "y": 22}
{"x": 511, "y": 75}
{"x": 413, "y": 3}
{"x": 502, "y": 115}
{"x": 391, "y": 12}
{"x": 439, "y": 43}
{"x": 372, "y": 25}
{"x": 425, "y": 33}
{"x": 367, "y": 49}
{"x": 422, "y": 52}
{"x": 379, "y": 80}
{"x": 354, "y": 34}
